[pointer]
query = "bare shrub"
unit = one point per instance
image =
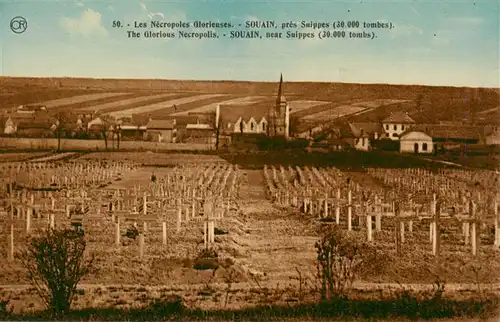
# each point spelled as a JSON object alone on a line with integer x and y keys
{"x": 206, "y": 259}
{"x": 132, "y": 232}
{"x": 55, "y": 264}
{"x": 339, "y": 258}
{"x": 4, "y": 310}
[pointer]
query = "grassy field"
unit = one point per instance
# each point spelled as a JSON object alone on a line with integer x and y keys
{"x": 312, "y": 100}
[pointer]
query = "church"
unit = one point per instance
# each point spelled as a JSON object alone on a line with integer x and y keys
{"x": 258, "y": 119}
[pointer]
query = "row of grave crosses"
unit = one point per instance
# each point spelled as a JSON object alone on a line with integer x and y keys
{"x": 403, "y": 209}
{"x": 144, "y": 210}
{"x": 52, "y": 175}
{"x": 76, "y": 205}
{"x": 20, "y": 213}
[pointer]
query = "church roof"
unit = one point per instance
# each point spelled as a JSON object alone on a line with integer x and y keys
{"x": 232, "y": 113}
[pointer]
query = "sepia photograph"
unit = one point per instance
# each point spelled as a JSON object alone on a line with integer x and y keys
{"x": 249, "y": 160}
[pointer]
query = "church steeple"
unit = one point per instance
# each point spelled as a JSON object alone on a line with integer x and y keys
{"x": 280, "y": 98}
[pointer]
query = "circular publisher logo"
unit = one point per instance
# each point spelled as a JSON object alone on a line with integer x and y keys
{"x": 18, "y": 25}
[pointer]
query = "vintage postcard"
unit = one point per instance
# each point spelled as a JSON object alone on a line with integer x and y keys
{"x": 249, "y": 160}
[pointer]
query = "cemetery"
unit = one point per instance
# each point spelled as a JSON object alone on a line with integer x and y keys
{"x": 147, "y": 224}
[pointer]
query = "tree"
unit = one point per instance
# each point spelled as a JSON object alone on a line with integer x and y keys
{"x": 104, "y": 133}
{"x": 339, "y": 259}
{"x": 218, "y": 124}
{"x": 293, "y": 126}
{"x": 55, "y": 264}
{"x": 105, "y": 126}
{"x": 62, "y": 124}
{"x": 117, "y": 131}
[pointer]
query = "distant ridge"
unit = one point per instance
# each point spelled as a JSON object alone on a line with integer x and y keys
{"x": 141, "y": 80}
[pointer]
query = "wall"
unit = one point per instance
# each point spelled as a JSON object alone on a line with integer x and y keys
{"x": 362, "y": 144}
{"x": 160, "y": 136}
{"x": 400, "y": 128}
{"x": 247, "y": 128}
{"x": 493, "y": 139}
{"x": 408, "y": 141}
{"x": 85, "y": 145}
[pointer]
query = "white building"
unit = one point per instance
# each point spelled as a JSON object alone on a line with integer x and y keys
{"x": 363, "y": 134}
{"x": 396, "y": 124}
{"x": 10, "y": 126}
{"x": 493, "y": 138}
{"x": 416, "y": 142}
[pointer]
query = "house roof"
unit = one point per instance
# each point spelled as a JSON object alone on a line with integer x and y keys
{"x": 18, "y": 118}
{"x": 139, "y": 119}
{"x": 337, "y": 141}
{"x": 160, "y": 125}
{"x": 491, "y": 130}
{"x": 400, "y": 118}
{"x": 441, "y": 131}
{"x": 200, "y": 126}
{"x": 131, "y": 127}
{"x": 35, "y": 123}
{"x": 365, "y": 129}
{"x": 183, "y": 120}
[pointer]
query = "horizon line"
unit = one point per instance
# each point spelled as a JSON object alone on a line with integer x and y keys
{"x": 243, "y": 81}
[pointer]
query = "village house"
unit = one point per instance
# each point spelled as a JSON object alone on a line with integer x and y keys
{"x": 194, "y": 127}
{"x": 361, "y": 135}
{"x": 30, "y": 126}
{"x": 198, "y": 127}
{"x": 31, "y": 109}
{"x": 23, "y": 115}
{"x": 161, "y": 131}
{"x": 492, "y": 136}
{"x": 96, "y": 128}
{"x": 331, "y": 143}
{"x": 396, "y": 124}
{"x": 132, "y": 132}
{"x": 10, "y": 127}
{"x": 429, "y": 138}
{"x": 414, "y": 141}
{"x": 199, "y": 133}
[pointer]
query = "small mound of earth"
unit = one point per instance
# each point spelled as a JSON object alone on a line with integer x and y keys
{"x": 206, "y": 263}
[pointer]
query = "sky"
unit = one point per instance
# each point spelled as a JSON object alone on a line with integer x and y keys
{"x": 451, "y": 43}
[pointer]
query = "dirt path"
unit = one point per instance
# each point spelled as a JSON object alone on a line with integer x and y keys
{"x": 277, "y": 242}
{"x": 452, "y": 287}
{"x": 55, "y": 157}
